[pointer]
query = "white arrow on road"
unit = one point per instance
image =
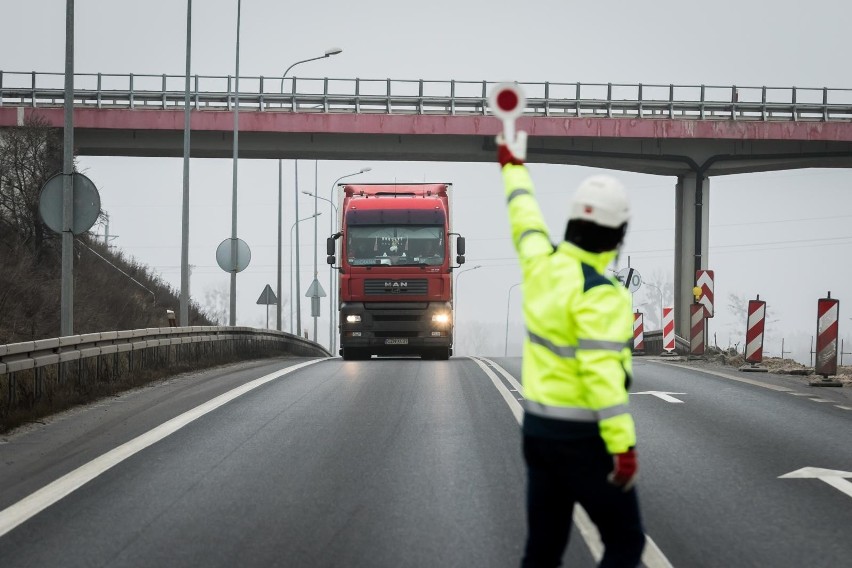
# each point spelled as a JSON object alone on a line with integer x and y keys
{"x": 663, "y": 395}
{"x": 833, "y": 477}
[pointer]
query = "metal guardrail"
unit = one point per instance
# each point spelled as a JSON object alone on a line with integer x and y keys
{"x": 16, "y": 357}
{"x": 654, "y": 343}
{"x": 34, "y": 375}
{"x": 427, "y": 97}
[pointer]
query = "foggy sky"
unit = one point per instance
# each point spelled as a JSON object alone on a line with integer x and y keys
{"x": 783, "y": 235}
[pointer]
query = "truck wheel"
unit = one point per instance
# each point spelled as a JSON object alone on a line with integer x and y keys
{"x": 348, "y": 354}
{"x": 442, "y": 353}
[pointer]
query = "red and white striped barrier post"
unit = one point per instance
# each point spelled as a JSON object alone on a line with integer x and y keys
{"x": 639, "y": 333}
{"x": 668, "y": 331}
{"x": 754, "y": 331}
{"x": 704, "y": 280}
{"x": 828, "y": 310}
{"x": 696, "y": 329}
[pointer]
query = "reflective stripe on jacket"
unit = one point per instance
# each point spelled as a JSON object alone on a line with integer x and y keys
{"x": 577, "y": 353}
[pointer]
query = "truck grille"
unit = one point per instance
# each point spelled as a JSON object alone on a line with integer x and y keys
{"x": 401, "y": 287}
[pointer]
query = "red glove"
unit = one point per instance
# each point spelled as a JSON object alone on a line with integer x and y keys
{"x": 514, "y": 153}
{"x": 624, "y": 471}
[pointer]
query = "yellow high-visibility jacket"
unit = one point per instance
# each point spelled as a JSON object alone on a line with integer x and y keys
{"x": 577, "y": 354}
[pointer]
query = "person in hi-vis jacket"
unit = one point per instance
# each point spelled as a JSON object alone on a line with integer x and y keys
{"x": 579, "y": 440}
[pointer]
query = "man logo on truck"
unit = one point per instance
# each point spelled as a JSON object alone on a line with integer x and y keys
{"x": 395, "y": 287}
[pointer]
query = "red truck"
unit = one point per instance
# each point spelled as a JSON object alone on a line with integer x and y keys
{"x": 395, "y": 270}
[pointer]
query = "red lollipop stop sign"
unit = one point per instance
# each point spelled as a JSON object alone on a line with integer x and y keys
{"x": 507, "y": 102}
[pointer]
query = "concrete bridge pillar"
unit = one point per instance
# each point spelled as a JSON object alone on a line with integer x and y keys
{"x": 692, "y": 222}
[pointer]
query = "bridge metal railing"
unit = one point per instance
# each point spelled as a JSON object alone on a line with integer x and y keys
{"x": 33, "y": 370}
{"x": 425, "y": 97}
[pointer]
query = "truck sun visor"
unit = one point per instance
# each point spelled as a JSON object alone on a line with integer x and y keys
{"x": 395, "y": 217}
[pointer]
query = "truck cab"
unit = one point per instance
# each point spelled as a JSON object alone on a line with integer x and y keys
{"x": 395, "y": 286}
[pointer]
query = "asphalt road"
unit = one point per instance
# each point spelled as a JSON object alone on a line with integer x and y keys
{"x": 402, "y": 462}
{"x": 710, "y": 467}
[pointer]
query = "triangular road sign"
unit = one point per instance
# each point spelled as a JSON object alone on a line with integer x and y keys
{"x": 267, "y": 297}
{"x": 315, "y": 291}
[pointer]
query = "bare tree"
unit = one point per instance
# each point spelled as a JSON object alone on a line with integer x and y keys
{"x": 29, "y": 156}
{"x": 217, "y": 302}
{"x": 647, "y": 298}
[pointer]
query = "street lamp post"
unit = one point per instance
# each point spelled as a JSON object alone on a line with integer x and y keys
{"x": 291, "y": 268}
{"x": 316, "y": 175}
{"x": 332, "y": 290}
{"x": 328, "y": 53}
{"x": 184, "y": 242}
{"x": 233, "y": 306}
{"x": 508, "y": 299}
{"x": 456, "y": 296}
{"x": 330, "y": 270}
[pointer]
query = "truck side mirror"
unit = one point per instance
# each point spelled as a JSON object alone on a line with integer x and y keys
{"x": 330, "y": 259}
{"x": 329, "y": 246}
{"x": 460, "y": 259}
{"x": 460, "y": 245}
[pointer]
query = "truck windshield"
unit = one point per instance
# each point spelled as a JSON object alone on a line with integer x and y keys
{"x": 400, "y": 245}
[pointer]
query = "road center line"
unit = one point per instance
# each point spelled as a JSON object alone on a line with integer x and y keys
{"x": 652, "y": 556}
{"x": 40, "y": 500}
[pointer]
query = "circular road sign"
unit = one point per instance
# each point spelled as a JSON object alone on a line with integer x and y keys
{"x": 225, "y": 260}
{"x": 87, "y": 203}
{"x": 635, "y": 279}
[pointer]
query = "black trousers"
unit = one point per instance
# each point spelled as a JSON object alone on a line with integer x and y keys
{"x": 561, "y": 473}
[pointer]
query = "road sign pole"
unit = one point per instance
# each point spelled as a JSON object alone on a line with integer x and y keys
{"x": 67, "y": 286}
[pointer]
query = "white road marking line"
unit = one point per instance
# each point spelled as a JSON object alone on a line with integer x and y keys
{"x": 666, "y": 396}
{"x": 652, "y": 556}
{"x": 37, "y": 502}
{"x": 513, "y": 403}
{"x": 834, "y": 477}
{"x": 819, "y": 400}
{"x": 844, "y": 407}
{"x": 507, "y": 375}
{"x": 799, "y": 393}
{"x": 731, "y": 377}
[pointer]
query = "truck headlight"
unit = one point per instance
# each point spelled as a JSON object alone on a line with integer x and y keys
{"x": 353, "y": 318}
{"x": 441, "y": 318}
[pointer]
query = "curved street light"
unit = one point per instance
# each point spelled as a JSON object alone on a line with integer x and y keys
{"x": 328, "y": 53}
{"x": 291, "y": 268}
{"x": 332, "y": 290}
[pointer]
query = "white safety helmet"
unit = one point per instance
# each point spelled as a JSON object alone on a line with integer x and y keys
{"x": 602, "y": 200}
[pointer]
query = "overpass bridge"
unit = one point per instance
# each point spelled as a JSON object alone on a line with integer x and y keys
{"x": 690, "y": 132}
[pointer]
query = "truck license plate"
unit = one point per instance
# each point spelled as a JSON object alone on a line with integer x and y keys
{"x": 402, "y": 341}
